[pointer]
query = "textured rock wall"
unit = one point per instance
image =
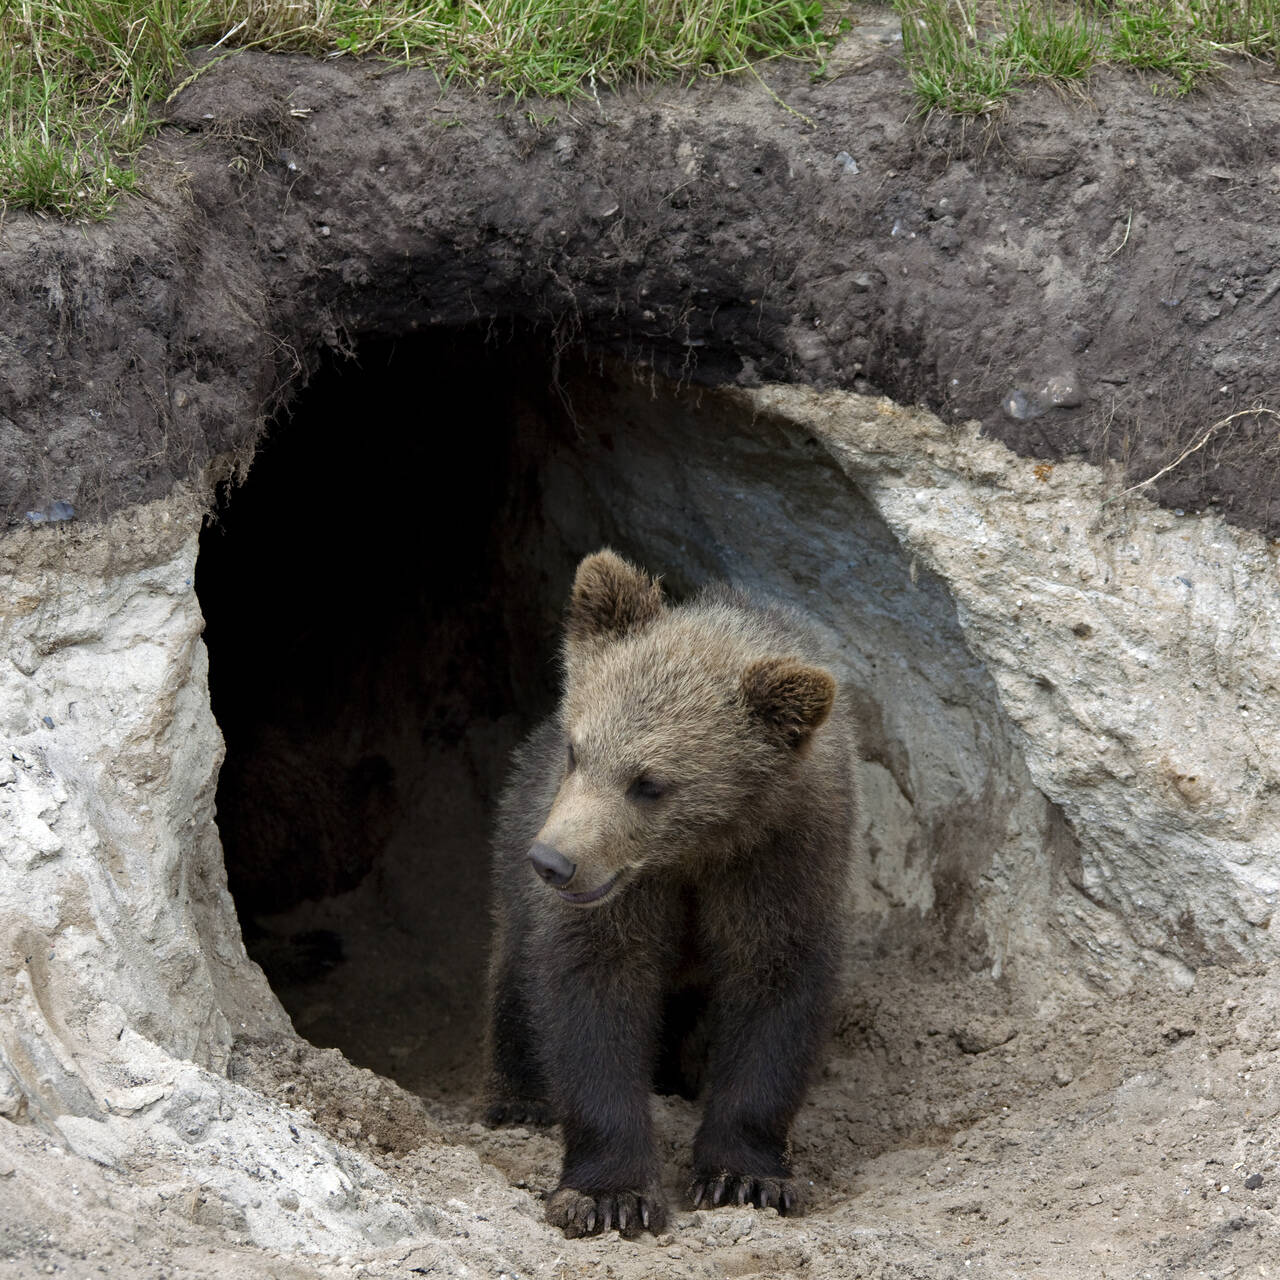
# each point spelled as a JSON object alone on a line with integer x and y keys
{"x": 116, "y": 930}
{"x": 123, "y": 978}
{"x": 1136, "y": 654}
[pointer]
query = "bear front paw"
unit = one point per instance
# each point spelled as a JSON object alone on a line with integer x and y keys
{"x": 512, "y": 1111}
{"x": 583, "y": 1213}
{"x": 713, "y": 1189}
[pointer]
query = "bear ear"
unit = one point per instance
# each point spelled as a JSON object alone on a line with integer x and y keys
{"x": 609, "y": 599}
{"x": 791, "y": 698}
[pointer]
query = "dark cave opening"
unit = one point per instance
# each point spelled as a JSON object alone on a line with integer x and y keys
{"x": 381, "y": 617}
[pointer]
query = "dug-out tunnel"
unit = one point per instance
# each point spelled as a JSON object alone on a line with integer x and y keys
{"x": 383, "y": 596}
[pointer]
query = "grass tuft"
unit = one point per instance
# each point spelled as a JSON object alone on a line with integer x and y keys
{"x": 1042, "y": 43}
{"x": 949, "y": 67}
{"x": 81, "y": 81}
{"x": 966, "y": 57}
{"x": 1157, "y": 37}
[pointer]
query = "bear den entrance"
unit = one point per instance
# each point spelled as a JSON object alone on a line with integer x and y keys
{"x": 383, "y": 598}
{"x": 381, "y": 622}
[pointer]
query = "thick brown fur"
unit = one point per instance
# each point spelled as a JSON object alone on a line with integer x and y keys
{"x": 697, "y": 783}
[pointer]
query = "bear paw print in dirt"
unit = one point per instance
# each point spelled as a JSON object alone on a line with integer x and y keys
{"x": 670, "y": 865}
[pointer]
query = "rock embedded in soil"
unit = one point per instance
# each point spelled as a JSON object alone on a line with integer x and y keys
{"x": 984, "y": 1034}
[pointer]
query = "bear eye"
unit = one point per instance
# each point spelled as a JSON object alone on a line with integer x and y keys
{"x": 572, "y": 758}
{"x": 646, "y": 787}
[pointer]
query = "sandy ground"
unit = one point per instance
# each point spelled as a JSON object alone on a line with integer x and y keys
{"x": 954, "y": 1131}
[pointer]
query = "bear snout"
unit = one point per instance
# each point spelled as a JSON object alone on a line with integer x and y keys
{"x": 551, "y": 864}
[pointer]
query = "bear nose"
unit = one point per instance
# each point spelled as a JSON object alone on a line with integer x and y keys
{"x": 551, "y": 864}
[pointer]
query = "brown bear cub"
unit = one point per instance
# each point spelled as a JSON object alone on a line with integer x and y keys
{"x": 670, "y": 870}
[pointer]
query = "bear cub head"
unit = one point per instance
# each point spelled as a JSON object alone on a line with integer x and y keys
{"x": 685, "y": 730}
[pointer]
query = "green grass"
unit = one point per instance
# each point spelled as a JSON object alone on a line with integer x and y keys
{"x": 1043, "y": 43}
{"x": 1157, "y": 38}
{"x": 949, "y": 66}
{"x": 967, "y": 56}
{"x": 83, "y": 82}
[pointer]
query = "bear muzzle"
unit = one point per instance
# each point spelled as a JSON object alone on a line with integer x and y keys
{"x": 551, "y": 864}
{"x": 554, "y": 868}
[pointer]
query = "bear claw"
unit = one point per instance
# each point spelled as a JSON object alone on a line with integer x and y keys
{"x": 582, "y": 1213}
{"x": 712, "y": 1190}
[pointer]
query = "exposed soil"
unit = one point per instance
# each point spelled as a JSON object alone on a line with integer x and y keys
{"x": 1125, "y": 243}
{"x": 954, "y": 1132}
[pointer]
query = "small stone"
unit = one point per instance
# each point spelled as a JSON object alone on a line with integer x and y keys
{"x": 53, "y": 513}
{"x": 47, "y": 721}
{"x": 846, "y": 162}
{"x": 1062, "y": 391}
{"x": 1253, "y": 1182}
{"x": 288, "y": 1200}
{"x": 945, "y": 238}
{"x": 1062, "y": 1077}
{"x": 1021, "y": 405}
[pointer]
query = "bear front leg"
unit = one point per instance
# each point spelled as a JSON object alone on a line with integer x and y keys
{"x": 517, "y": 1091}
{"x": 767, "y": 1035}
{"x": 599, "y": 1020}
